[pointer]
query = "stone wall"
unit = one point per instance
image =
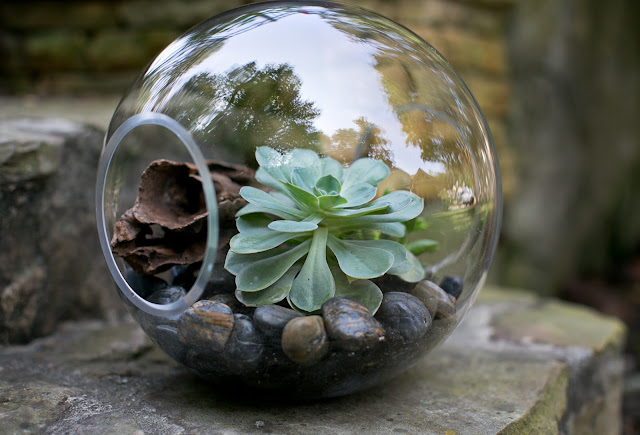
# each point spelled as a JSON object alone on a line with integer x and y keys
{"x": 54, "y": 47}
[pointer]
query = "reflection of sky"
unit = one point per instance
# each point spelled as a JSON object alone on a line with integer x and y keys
{"x": 337, "y": 75}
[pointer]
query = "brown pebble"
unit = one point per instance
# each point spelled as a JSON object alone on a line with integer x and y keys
{"x": 271, "y": 319}
{"x": 351, "y": 325}
{"x": 206, "y": 323}
{"x": 439, "y": 303}
{"x": 304, "y": 340}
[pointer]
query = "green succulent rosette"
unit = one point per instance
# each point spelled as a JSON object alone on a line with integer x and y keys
{"x": 296, "y": 241}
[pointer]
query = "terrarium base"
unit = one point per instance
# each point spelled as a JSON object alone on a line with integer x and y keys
{"x": 350, "y": 350}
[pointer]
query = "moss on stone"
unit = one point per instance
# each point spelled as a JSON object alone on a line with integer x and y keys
{"x": 544, "y": 417}
{"x": 560, "y": 324}
{"x": 491, "y": 294}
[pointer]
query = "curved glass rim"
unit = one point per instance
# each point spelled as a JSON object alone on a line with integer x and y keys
{"x": 194, "y": 293}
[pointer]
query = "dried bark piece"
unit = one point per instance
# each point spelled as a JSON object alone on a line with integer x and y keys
{"x": 227, "y": 181}
{"x": 153, "y": 259}
{"x": 166, "y": 225}
{"x": 241, "y": 174}
{"x": 169, "y": 195}
{"x": 126, "y": 229}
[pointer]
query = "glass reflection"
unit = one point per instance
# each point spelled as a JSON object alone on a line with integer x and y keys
{"x": 360, "y": 86}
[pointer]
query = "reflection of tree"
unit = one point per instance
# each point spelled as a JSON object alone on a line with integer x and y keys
{"x": 177, "y": 64}
{"x": 349, "y": 144}
{"x": 421, "y": 103}
{"x": 422, "y": 107}
{"x": 248, "y": 107}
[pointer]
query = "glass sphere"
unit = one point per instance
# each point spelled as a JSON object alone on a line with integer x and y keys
{"x": 298, "y": 196}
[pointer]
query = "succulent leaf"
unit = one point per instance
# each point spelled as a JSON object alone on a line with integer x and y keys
{"x": 365, "y": 170}
{"x": 263, "y": 200}
{"x": 303, "y": 178}
{"x": 234, "y": 263}
{"x": 283, "y": 197}
{"x": 250, "y": 209}
{"x": 329, "y": 166}
{"x": 301, "y": 158}
{"x": 399, "y": 252}
{"x": 272, "y": 294}
{"x": 358, "y": 261}
{"x": 258, "y": 241}
{"x": 393, "y": 229}
{"x": 305, "y": 200}
{"x": 261, "y": 274}
{"x": 272, "y": 162}
{"x": 409, "y": 271}
{"x": 354, "y": 212}
{"x": 358, "y": 194}
{"x": 327, "y": 202}
{"x": 361, "y": 290}
{"x": 399, "y": 209}
{"x": 252, "y": 223}
{"x": 263, "y": 177}
{"x": 285, "y": 226}
{"x": 328, "y": 185}
{"x": 314, "y": 284}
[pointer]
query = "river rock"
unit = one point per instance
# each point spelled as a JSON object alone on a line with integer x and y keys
{"x": 452, "y": 285}
{"x": 167, "y": 337}
{"x": 304, "y": 340}
{"x": 404, "y": 315}
{"x": 351, "y": 325}
{"x": 166, "y": 295}
{"x": 184, "y": 275}
{"x": 232, "y": 302}
{"x": 271, "y": 319}
{"x": 207, "y": 324}
{"x": 143, "y": 285}
{"x": 244, "y": 348}
{"x": 439, "y": 303}
{"x": 392, "y": 283}
{"x": 221, "y": 281}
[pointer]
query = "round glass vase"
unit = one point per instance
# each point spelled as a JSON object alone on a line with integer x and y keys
{"x": 301, "y": 197}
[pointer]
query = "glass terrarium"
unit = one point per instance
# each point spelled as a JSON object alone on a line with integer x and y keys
{"x": 298, "y": 196}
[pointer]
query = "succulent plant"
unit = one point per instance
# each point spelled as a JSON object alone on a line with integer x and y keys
{"x": 321, "y": 231}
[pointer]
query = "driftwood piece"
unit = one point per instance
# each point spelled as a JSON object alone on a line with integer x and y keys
{"x": 167, "y": 224}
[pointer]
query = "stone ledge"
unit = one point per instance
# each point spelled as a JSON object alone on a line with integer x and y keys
{"x": 50, "y": 262}
{"x": 498, "y": 373}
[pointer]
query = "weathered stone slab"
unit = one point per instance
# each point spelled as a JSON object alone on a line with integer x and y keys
{"x": 51, "y": 266}
{"x": 492, "y": 376}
